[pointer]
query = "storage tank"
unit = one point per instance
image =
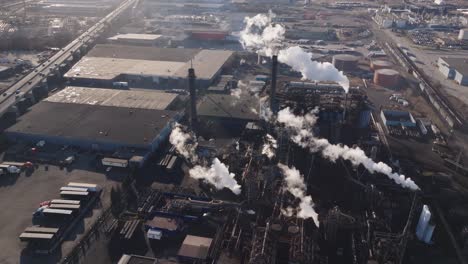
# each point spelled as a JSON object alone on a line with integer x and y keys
{"x": 380, "y": 64}
{"x": 463, "y": 34}
{"x": 345, "y": 62}
{"x": 387, "y": 78}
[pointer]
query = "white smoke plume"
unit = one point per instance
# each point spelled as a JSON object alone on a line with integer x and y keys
{"x": 301, "y": 133}
{"x": 301, "y": 61}
{"x": 270, "y": 146}
{"x": 296, "y": 186}
{"x": 184, "y": 142}
{"x": 217, "y": 175}
{"x": 261, "y": 36}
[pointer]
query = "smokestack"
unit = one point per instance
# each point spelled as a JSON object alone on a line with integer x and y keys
{"x": 274, "y": 69}
{"x": 193, "y": 99}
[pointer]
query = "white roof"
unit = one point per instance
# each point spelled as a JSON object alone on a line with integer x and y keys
{"x": 133, "y": 36}
{"x": 142, "y": 99}
{"x": 109, "y": 68}
{"x": 206, "y": 63}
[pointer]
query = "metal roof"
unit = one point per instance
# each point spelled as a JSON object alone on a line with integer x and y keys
{"x": 142, "y": 99}
{"x": 228, "y": 106}
{"x": 123, "y": 126}
{"x": 195, "y": 247}
{"x": 133, "y": 36}
{"x": 106, "y": 62}
{"x": 458, "y": 64}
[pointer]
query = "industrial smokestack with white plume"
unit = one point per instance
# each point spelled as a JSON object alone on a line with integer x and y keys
{"x": 301, "y": 133}
{"x": 296, "y": 186}
{"x": 184, "y": 142}
{"x": 261, "y": 36}
{"x": 217, "y": 175}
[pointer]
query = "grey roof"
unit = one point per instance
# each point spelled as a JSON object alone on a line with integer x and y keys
{"x": 195, "y": 247}
{"x": 142, "y": 99}
{"x": 142, "y": 53}
{"x": 134, "y": 36}
{"x": 459, "y": 64}
{"x": 126, "y": 126}
{"x": 228, "y": 106}
{"x": 106, "y": 62}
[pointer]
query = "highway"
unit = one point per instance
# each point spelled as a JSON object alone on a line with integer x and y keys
{"x": 39, "y": 74}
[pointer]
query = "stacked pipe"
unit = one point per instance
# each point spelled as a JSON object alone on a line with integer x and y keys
{"x": 193, "y": 98}
{"x": 274, "y": 69}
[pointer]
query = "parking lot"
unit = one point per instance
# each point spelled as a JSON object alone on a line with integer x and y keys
{"x": 20, "y": 197}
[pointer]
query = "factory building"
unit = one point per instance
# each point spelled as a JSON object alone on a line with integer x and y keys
{"x": 454, "y": 69}
{"x": 5, "y": 71}
{"x": 311, "y": 33}
{"x": 397, "y": 118}
{"x": 135, "y": 98}
{"x": 221, "y": 112}
{"x": 147, "y": 67}
{"x": 137, "y": 39}
{"x": 100, "y": 120}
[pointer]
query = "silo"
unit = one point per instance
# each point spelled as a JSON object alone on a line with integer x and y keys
{"x": 387, "y": 78}
{"x": 463, "y": 35}
{"x": 345, "y": 62}
{"x": 380, "y": 64}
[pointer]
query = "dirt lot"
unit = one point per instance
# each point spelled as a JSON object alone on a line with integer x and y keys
{"x": 21, "y": 195}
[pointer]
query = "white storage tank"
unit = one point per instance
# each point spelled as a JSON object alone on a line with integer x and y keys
{"x": 463, "y": 35}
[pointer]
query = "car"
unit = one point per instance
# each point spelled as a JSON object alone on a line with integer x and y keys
{"x": 5, "y": 94}
{"x": 18, "y": 91}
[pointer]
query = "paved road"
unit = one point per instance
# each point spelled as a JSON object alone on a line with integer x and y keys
{"x": 34, "y": 78}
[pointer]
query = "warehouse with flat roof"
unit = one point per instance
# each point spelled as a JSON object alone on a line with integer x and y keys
{"x": 136, "y": 39}
{"x": 135, "y": 98}
{"x": 454, "y": 69}
{"x": 117, "y": 124}
{"x": 147, "y": 67}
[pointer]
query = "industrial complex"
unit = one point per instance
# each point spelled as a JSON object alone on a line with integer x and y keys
{"x": 246, "y": 131}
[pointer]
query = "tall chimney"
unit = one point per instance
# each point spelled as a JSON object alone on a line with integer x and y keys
{"x": 193, "y": 98}
{"x": 274, "y": 69}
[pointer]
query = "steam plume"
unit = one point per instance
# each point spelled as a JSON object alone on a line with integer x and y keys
{"x": 301, "y": 133}
{"x": 301, "y": 61}
{"x": 217, "y": 175}
{"x": 261, "y": 36}
{"x": 270, "y": 146}
{"x": 184, "y": 142}
{"x": 296, "y": 186}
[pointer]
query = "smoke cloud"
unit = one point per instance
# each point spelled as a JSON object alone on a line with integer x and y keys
{"x": 184, "y": 142}
{"x": 261, "y": 36}
{"x": 301, "y": 133}
{"x": 296, "y": 186}
{"x": 301, "y": 61}
{"x": 217, "y": 175}
{"x": 270, "y": 146}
